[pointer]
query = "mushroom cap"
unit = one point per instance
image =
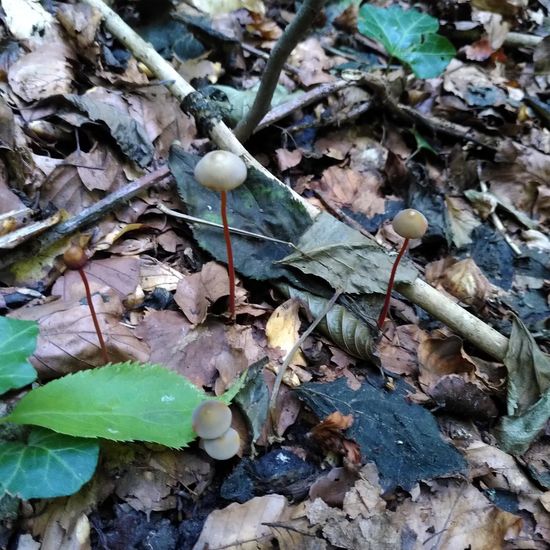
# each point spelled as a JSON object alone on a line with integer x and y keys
{"x": 211, "y": 419}
{"x": 223, "y": 447}
{"x": 75, "y": 257}
{"x": 410, "y": 224}
{"x": 220, "y": 171}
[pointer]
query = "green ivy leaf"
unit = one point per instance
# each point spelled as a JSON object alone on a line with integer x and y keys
{"x": 48, "y": 465}
{"x": 18, "y": 342}
{"x": 122, "y": 402}
{"x": 410, "y": 36}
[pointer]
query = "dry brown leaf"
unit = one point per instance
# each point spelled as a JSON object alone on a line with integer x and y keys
{"x": 328, "y": 435}
{"x": 120, "y": 274}
{"x": 208, "y": 355}
{"x": 196, "y": 292}
{"x": 67, "y": 341}
{"x": 155, "y": 274}
{"x": 349, "y": 188}
{"x": 462, "y": 279}
{"x": 288, "y": 159}
{"x": 333, "y": 487}
{"x": 457, "y": 515}
{"x": 312, "y": 62}
{"x": 399, "y": 347}
{"x": 364, "y": 497}
{"x": 42, "y": 73}
{"x": 282, "y": 330}
{"x": 242, "y": 525}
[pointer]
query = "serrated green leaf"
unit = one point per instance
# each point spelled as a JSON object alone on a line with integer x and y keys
{"x": 410, "y": 36}
{"x": 122, "y": 402}
{"x": 17, "y": 343}
{"x": 48, "y": 465}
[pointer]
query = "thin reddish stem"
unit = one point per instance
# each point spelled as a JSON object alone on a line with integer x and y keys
{"x": 94, "y": 316}
{"x": 230, "y": 266}
{"x": 386, "y": 305}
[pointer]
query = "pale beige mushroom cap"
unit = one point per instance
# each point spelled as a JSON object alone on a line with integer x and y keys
{"x": 410, "y": 224}
{"x": 220, "y": 171}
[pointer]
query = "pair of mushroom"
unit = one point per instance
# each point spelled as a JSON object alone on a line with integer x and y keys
{"x": 223, "y": 171}
{"x": 211, "y": 421}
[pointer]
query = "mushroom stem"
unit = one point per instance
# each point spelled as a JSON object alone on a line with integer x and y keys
{"x": 94, "y": 316}
{"x": 230, "y": 265}
{"x": 386, "y": 305}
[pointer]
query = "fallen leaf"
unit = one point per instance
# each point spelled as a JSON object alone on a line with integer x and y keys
{"x": 242, "y": 525}
{"x": 67, "y": 341}
{"x": 196, "y": 292}
{"x": 282, "y": 330}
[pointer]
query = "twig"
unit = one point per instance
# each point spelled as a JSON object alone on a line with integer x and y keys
{"x": 522, "y": 40}
{"x": 264, "y": 55}
{"x": 499, "y": 226}
{"x": 282, "y": 49}
{"x": 87, "y": 216}
{"x": 419, "y": 292}
{"x": 307, "y": 98}
{"x": 236, "y": 230}
{"x": 296, "y": 347}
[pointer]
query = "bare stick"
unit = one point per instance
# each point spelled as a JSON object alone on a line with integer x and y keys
{"x": 419, "y": 292}
{"x": 296, "y": 347}
{"x": 282, "y": 49}
{"x": 236, "y": 230}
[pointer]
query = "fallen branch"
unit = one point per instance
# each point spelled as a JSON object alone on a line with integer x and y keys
{"x": 419, "y": 292}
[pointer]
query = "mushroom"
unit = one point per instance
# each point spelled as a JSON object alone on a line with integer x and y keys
{"x": 211, "y": 419}
{"x": 409, "y": 224}
{"x": 75, "y": 258}
{"x": 223, "y": 171}
{"x": 223, "y": 447}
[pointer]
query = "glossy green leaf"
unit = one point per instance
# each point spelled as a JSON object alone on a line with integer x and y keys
{"x": 410, "y": 36}
{"x": 48, "y": 465}
{"x": 122, "y": 402}
{"x": 17, "y": 343}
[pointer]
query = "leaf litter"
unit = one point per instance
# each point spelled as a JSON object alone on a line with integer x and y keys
{"x": 69, "y": 137}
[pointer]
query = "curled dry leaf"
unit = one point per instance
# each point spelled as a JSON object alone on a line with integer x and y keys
{"x": 462, "y": 279}
{"x": 282, "y": 329}
{"x": 333, "y": 487}
{"x": 328, "y": 434}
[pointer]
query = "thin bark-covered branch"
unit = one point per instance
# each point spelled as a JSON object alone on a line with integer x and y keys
{"x": 282, "y": 49}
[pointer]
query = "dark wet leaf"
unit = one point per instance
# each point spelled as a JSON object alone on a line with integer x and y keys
{"x": 391, "y": 432}
{"x": 259, "y": 206}
{"x": 340, "y": 325}
{"x": 129, "y": 134}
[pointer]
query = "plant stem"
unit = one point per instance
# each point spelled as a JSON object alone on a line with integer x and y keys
{"x": 94, "y": 316}
{"x": 386, "y": 305}
{"x": 230, "y": 266}
{"x": 279, "y": 54}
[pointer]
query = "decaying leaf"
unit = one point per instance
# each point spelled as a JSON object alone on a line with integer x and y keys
{"x": 242, "y": 525}
{"x": 282, "y": 330}
{"x": 345, "y": 259}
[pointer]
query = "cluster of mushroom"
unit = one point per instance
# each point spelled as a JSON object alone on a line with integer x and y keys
{"x": 212, "y": 423}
